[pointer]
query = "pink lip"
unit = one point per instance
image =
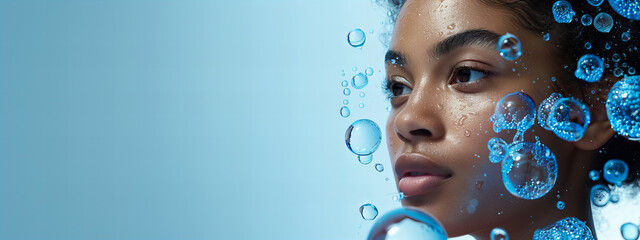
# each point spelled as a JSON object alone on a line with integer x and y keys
{"x": 418, "y": 175}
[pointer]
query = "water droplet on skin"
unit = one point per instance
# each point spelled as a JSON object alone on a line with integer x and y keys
{"x": 356, "y": 38}
{"x": 461, "y": 120}
{"x": 467, "y": 133}
{"x": 629, "y": 231}
{"x": 497, "y": 149}
{"x": 623, "y": 106}
{"x": 615, "y": 170}
{"x": 603, "y": 22}
{"x": 594, "y": 175}
{"x": 529, "y": 171}
{"x": 451, "y": 26}
{"x": 545, "y": 108}
{"x": 363, "y": 137}
{"x": 509, "y": 46}
{"x": 599, "y": 195}
{"x": 589, "y": 68}
{"x": 586, "y": 20}
{"x": 407, "y": 223}
{"x": 514, "y": 111}
{"x": 626, "y": 36}
{"x": 346, "y": 91}
{"x": 546, "y": 37}
{"x": 471, "y": 208}
{"x": 479, "y": 185}
{"x": 569, "y": 119}
{"x": 627, "y": 8}
{"x": 345, "y": 112}
{"x": 595, "y": 3}
{"x": 567, "y": 228}
{"x": 499, "y": 234}
{"x": 379, "y": 167}
{"x": 368, "y": 211}
{"x": 560, "y": 205}
{"x": 359, "y": 81}
{"x": 563, "y": 12}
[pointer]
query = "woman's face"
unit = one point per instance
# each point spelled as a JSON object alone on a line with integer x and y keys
{"x": 445, "y": 81}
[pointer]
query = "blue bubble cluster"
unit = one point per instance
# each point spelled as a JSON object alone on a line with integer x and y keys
{"x": 563, "y": 12}
{"x": 615, "y": 171}
{"x": 499, "y": 234}
{"x": 514, "y": 111}
{"x": 498, "y": 149}
{"x": 569, "y": 119}
{"x": 623, "y": 107}
{"x": 407, "y": 223}
{"x": 629, "y": 231}
{"x": 530, "y": 170}
{"x": 356, "y": 37}
{"x": 567, "y": 228}
{"x": 586, "y": 19}
{"x": 590, "y": 68}
{"x": 599, "y": 195}
{"x": 603, "y": 22}
{"x": 509, "y": 46}
{"x": 363, "y": 137}
{"x": 627, "y": 8}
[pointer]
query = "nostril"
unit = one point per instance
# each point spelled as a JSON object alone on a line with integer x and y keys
{"x": 421, "y": 132}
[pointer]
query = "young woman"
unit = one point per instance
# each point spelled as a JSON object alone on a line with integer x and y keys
{"x": 444, "y": 78}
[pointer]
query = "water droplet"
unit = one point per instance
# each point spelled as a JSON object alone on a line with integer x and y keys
{"x": 369, "y": 71}
{"x": 363, "y": 137}
{"x": 344, "y": 83}
{"x": 560, "y": 205}
{"x": 615, "y": 57}
{"x": 499, "y": 234}
{"x": 589, "y": 68}
{"x": 617, "y": 72}
{"x": 389, "y": 108}
{"x": 629, "y": 231}
{"x": 599, "y": 195}
{"x": 379, "y": 167}
{"x": 614, "y": 198}
{"x": 467, "y": 133}
{"x": 345, "y": 102}
{"x": 356, "y": 38}
{"x": 563, "y": 12}
{"x": 509, "y": 46}
{"x": 359, "y": 81}
{"x": 546, "y": 37}
{"x": 386, "y": 179}
{"x": 569, "y": 119}
{"x": 530, "y": 169}
{"x": 345, "y": 112}
{"x": 461, "y": 120}
{"x": 545, "y": 108}
{"x": 407, "y": 223}
{"x": 354, "y": 69}
{"x": 365, "y": 159}
{"x": 368, "y": 211}
{"x": 632, "y": 71}
{"x": 567, "y": 228}
{"x": 361, "y": 105}
{"x": 587, "y": 45}
{"x": 627, "y": 8}
{"x": 586, "y": 20}
{"x": 626, "y": 36}
{"x": 603, "y": 22}
{"x": 595, "y": 3}
{"x": 471, "y": 207}
{"x": 451, "y": 26}
{"x": 607, "y": 46}
{"x": 498, "y": 149}
{"x": 514, "y": 111}
{"x": 346, "y": 91}
{"x": 623, "y": 106}
{"x": 615, "y": 170}
{"x": 594, "y": 175}
{"x": 479, "y": 185}
{"x": 362, "y": 94}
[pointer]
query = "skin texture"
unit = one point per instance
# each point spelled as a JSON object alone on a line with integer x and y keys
{"x": 448, "y": 121}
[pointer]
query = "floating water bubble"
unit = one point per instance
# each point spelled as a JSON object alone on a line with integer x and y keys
{"x": 623, "y": 106}
{"x": 529, "y": 171}
{"x": 499, "y": 234}
{"x": 361, "y": 105}
{"x": 586, "y": 20}
{"x": 589, "y": 68}
{"x": 362, "y": 94}
{"x": 368, "y": 211}
{"x": 354, "y": 69}
{"x": 607, "y": 46}
{"x": 356, "y": 37}
{"x": 599, "y": 195}
{"x": 567, "y": 228}
{"x": 514, "y": 111}
{"x": 627, "y": 8}
{"x": 595, "y": 3}
{"x": 615, "y": 57}
{"x": 369, "y": 71}
{"x": 365, "y": 159}
{"x": 629, "y": 231}
{"x": 346, "y": 91}
{"x": 345, "y": 112}
{"x": 545, "y": 108}
{"x": 379, "y": 167}
{"x": 407, "y": 223}
{"x": 626, "y": 36}
{"x": 569, "y": 119}
{"x": 587, "y": 45}
{"x": 614, "y": 198}
{"x": 615, "y": 170}
{"x": 359, "y": 81}
{"x": 546, "y": 37}
{"x": 631, "y": 71}
{"x": 345, "y": 102}
{"x": 617, "y": 72}
{"x": 560, "y": 205}
{"x": 344, "y": 83}
{"x": 509, "y": 46}
{"x": 563, "y": 12}
{"x": 363, "y": 137}
{"x": 603, "y": 22}
{"x": 498, "y": 149}
{"x": 594, "y": 175}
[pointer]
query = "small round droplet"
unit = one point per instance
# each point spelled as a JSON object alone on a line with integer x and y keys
{"x": 359, "y": 81}
{"x": 586, "y": 20}
{"x": 599, "y": 195}
{"x": 560, "y": 205}
{"x": 344, "y": 83}
{"x": 368, "y": 211}
{"x": 509, "y": 46}
{"x": 615, "y": 170}
{"x": 363, "y": 137}
{"x": 546, "y": 37}
{"x": 629, "y": 231}
{"x": 569, "y": 119}
{"x": 626, "y": 36}
{"x": 589, "y": 68}
{"x": 368, "y": 71}
{"x": 407, "y": 223}
{"x": 365, "y": 159}
{"x": 627, "y": 8}
{"x": 361, "y": 105}
{"x": 617, "y": 72}
{"x": 499, "y": 234}
{"x": 614, "y": 198}
{"x": 603, "y": 22}
{"x": 594, "y": 175}
{"x": 607, "y": 46}
{"x": 379, "y": 167}
{"x": 587, "y": 45}
{"x": 362, "y": 94}
{"x": 563, "y": 12}
{"x": 623, "y": 107}
{"x": 514, "y": 111}
{"x": 615, "y": 57}
{"x": 356, "y": 38}
{"x": 545, "y": 108}
{"x": 595, "y": 3}
{"x": 346, "y": 91}
{"x": 498, "y": 149}
{"x": 529, "y": 171}
{"x": 345, "y": 112}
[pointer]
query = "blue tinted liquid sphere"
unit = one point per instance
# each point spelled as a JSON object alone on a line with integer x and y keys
{"x": 560, "y": 205}
{"x": 497, "y": 149}
{"x": 546, "y": 37}
{"x": 509, "y": 46}
{"x": 599, "y": 195}
{"x": 563, "y": 12}
{"x": 629, "y": 231}
{"x": 603, "y": 22}
{"x": 369, "y": 71}
{"x": 356, "y": 38}
{"x": 499, "y": 234}
{"x": 569, "y": 119}
{"x": 346, "y": 91}
{"x": 626, "y": 36}
{"x": 379, "y": 167}
{"x": 587, "y": 45}
{"x": 363, "y": 137}
{"x": 627, "y": 8}
{"x": 566, "y": 229}
{"x": 623, "y": 107}
{"x": 365, "y": 159}
{"x": 368, "y": 211}
{"x": 614, "y": 198}
{"x": 615, "y": 171}
{"x": 359, "y": 81}
{"x": 407, "y": 223}
{"x": 594, "y": 175}
{"x": 345, "y": 112}
{"x": 590, "y": 68}
{"x": 529, "y": 171}
{"x": 595, "y": 3}
{"x": 545, "y": 108}
{"x": 514, "y": 111}
{"x": 586, "y": 19}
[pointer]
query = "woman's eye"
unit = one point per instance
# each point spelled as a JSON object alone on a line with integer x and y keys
{"x": 398, "y": 89}
{"x": 465, "y": 75}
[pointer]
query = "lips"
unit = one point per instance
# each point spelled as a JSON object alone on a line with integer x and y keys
{"x": 418, "y": 174}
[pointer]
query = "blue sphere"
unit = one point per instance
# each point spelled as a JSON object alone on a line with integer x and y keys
{"x": 627, "y": 8}
{"x": 407, "y": 223}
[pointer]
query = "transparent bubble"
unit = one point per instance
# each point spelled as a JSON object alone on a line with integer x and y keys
{"x": 626, "y": 36}
{"x": 629, "y": 231}
{"x": 499, "y": 234}
{"x": 546, "y": 37}
{"x": 361, "y": 105}
{"x": 586, "y": 20}
{"x": 623, "y": 106}
{"x": 607, "y": 46}
{"x": 614, "y": 198}
{"x": 498, "y": 149}
{"x": 615, "y": 170}
{"x": 560, "y": 205}
{"x": 514, "y": 111}
{"x": 368, "y": 211}
{"x": 365, "y": 159}
{"x": 603, "y": 22}
{"x": 594, "y": 175}
{"x": 595, "y": 3}
{"x": 529, "y": 171}
{"x": 356, "y": 38}
{"x": 617, "y": 72}
{"x": 363, "y": 137}
{"x": 599, "y": 195}
{"x": 345, "y": 102}
{"x": 545, "y": 108}
{"x": 627, "y": 8}
{"x": 563, "y": 12}
{"x": 569, "y": 119}
{"x": 407, "y": 223}
{"x": 344, "y": 83}
{"x": 587, "y": 45}
{"x": 632, "y": 71}
{"x": 567, "y": 228}
{"x": 590, "y": 68}
{"x": 379, "y": 167}
{"x": 615, "y": 57}
{"x": 345, "y": 112}
{"x": 368, "y": 71}
{"x": 359, "y": 81}
{"x": 509, "y": 46}
{"x": 346, "y": 91}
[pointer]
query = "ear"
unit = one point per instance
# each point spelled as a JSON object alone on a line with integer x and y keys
{"x": 599, "y": 130}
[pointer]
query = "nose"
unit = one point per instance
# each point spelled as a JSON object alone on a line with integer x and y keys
{"x": 419, "y": 121}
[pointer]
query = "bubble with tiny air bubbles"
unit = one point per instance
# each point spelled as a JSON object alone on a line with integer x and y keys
{"x": 569, "y": 119}
{"x": 379, "y": 167}
{"x": 497, "y": 149}
{"x": 615, "y": 170}
{"x": 499, "y": 234}
{"x": 545, "y": 108}
{"x": 629, "y": 231}
{"x": 563, "y": 12}
{"x": 626, "y": 36}
{"x": 560, "y": 205}
{"x": 356, "y": 38}
{"x": 530, "y": 169}
{"x": 346, "y": 91}
{"x": 590, "y": 68}
{"x": 359, "y": 81}
{"x": 509, "y": 46}
{"x": 567, "y": 228}
{"x": 368, "y": 211}
{"x": 627, "y": 8}
{"x": 603, "y": 22}
{"x": 365, "y": 159}
{"x": 369, "y": 71}
{"x": 344, "y": 83}
{"x": 594, "y": 175}
{"x": 363, "y": 137}
{"x": 407, "y": 223}
{"x": 514, "y": 111}
{"x": 623, "y": 107}
{"x": 345, "y": 112}
{"x": 599, "y": 195}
